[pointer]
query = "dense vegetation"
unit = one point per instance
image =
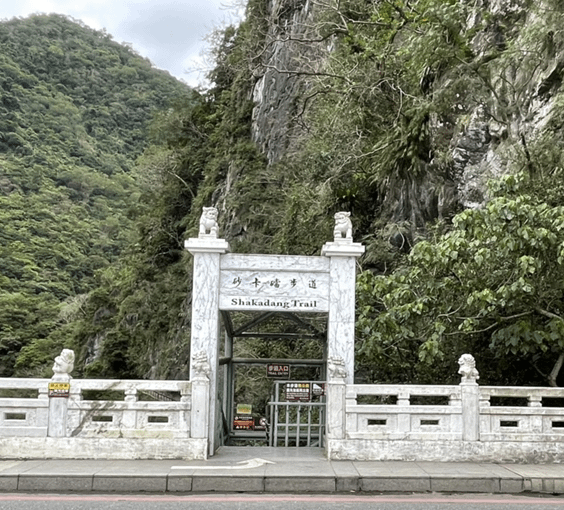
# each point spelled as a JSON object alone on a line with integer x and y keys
{"x": 492, "y": 285}
{"x": 74, "y": 108}
{"x": 377, "y": 129}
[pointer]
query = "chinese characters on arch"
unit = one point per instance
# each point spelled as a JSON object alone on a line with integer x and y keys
{"x": 274, "y": 290}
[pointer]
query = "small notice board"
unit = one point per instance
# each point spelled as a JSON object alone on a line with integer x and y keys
{"x": 298, "y": 392}
{"x": 243, "y": 419}
{"x": 59, "y": 389}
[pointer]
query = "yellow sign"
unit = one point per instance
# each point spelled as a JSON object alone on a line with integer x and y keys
{"x": 59, "y": 389}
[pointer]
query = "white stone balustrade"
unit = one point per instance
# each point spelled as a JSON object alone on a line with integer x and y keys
{"x": 132, "y": 417}
{"x": 403, "y": 419}
{"x": 467, "y": 422}
{"x": 521, "y": 414}
{"x": 143, "y": 419}
{"x": 20, "y": 416}
{"x": 539, "y": 417}
{"x": 129, "y": 417}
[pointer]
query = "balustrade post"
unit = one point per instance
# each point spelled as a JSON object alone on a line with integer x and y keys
{"x": 59, "y": 391}
{"x": 58, "y": 413}
{"x": 535, "y": 400}
{"x": 404, "y": 419}
{"x": 470, "y": 395}
{"x": 129, "y": 415}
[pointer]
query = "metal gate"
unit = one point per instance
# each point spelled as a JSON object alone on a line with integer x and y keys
{"x": 297, "y": 414}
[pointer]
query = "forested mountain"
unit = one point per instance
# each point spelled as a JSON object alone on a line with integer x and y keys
{"x": 400, "y": 112}
{"x": 74, "y": 111}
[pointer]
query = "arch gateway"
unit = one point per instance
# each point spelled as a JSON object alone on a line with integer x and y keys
{"x": 226, "y": 283}
{"x": 60, "y": 418}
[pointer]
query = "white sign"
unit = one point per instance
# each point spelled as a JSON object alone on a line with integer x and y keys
{"x": 274, "y": 290}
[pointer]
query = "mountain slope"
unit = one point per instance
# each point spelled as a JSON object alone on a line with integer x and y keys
{"x": 398, "y": 111}
{"x": 74, "y": 108}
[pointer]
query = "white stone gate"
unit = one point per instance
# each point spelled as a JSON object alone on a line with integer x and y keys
{"x": 63, "y": 418}
{"x": 225, "y": 282}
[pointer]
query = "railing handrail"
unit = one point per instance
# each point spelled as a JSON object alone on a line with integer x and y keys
{"x": 393, "y": 389}
{"x": 522, "y": 390}
{"x": 296, "y": 403}
{"x": 14, "y": 383}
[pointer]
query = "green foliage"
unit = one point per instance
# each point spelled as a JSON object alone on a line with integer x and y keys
{"x": 393, "y": 76}
{"x": 74, "y": 107}
{"x": 491, "y": 286}
{"x": 95, "y": 218}
{"x": 383, "y": 109}
{"x": 379, "y": 115}
{"x": 137, "y": 321}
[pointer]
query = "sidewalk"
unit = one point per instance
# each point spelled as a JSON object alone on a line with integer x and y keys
{"x": 275, "y": 470}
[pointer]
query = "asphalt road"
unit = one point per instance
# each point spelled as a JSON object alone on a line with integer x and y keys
{"x": 277, "y": 502}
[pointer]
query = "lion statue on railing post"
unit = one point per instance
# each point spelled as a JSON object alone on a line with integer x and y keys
{"x": 467, "y": 369}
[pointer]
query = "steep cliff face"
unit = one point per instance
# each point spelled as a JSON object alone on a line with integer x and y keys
{"x": 398, "y": 111}
{"x": 524, "y": 84}
{"x": 282, "y": 79}
{"x": 499, "y": 62}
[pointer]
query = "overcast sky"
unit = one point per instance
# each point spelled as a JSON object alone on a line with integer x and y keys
{"x": 170, "y": 33}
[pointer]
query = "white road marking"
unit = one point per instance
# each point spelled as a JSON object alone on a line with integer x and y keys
{"x": 244, "y": 464}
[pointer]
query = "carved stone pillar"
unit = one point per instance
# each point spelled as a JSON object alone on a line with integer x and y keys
{"x": 343, "y": 254}
{"x": 201, "y": 371}
{"x": 336, "y": 403}
{"x": 207, "y": 250}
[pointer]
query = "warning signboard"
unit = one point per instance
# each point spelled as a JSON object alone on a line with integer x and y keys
{"x": 298, "y": 392}
{"x": 244, "y": 422}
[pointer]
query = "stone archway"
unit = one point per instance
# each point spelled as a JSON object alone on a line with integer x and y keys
{"x": 224, "y": 282}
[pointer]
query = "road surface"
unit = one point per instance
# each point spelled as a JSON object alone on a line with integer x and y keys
{"x": 277, "y": 502}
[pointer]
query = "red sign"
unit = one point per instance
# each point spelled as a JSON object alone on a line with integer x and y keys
{"x": 243, "y": 423}
{"x": 278, "y": 371}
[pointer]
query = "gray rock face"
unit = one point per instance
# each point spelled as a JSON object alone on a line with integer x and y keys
{"x": 481, "y": 148}
{"x": 469, "y": 155}
{"x": 275, "y": 116}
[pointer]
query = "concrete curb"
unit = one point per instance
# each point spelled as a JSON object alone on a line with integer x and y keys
{"x": 255, "y": 470}
{"x": 261, "y": 484}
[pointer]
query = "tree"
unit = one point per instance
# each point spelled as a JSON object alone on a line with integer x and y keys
{"x": 491, "y": 286}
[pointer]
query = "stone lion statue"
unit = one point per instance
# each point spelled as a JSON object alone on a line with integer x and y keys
{"x": 336, "y": 367}
{"x": 208, "y": 222}
{"x": 467, "y": 368}
{"x": 64, "y": 363}
{"x": 343, "y": 226}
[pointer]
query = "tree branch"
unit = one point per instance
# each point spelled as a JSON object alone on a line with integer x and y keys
{"x": 548, "y": 314}
{"x": 556, "y": 370}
